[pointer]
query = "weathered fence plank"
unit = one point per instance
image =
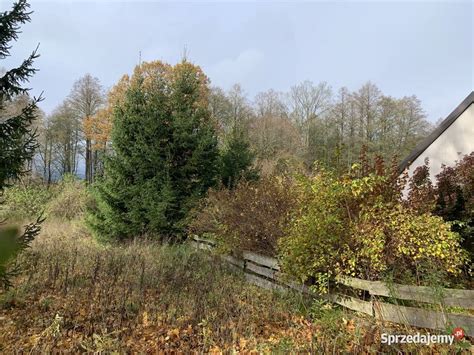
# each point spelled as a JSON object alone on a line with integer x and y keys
{"x": 448, "y": 297}
{"x": 297, "y": 286}
{"x": 267, "y": 261}
{"x": 352, "y": 303}
{"x": 264, "y": 283}
{"x": 234, "y": 261}
{"x": 261, "y": 270}
{"x": 265, "y": 273}
{"x": 422, "y": 318}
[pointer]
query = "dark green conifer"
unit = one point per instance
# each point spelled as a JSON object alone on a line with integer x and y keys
{"x": 237, "y": 159}
{"x": 17, "y": 137}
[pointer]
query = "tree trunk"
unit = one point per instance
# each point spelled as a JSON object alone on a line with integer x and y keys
{"x": 88, "y": 161}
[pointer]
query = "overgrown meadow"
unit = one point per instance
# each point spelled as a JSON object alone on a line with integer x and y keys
{"x": 77, "y": 294}
{"x": 103, "y": 264}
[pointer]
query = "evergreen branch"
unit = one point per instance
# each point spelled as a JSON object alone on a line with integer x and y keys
{"x": 18, "y": 142}
{"x": 9, "y": 27}
{"x": 11, "y": 80}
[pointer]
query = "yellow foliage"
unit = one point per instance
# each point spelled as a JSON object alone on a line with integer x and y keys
{"x": 350, "y": 226}
{"x": 98, "y": 128}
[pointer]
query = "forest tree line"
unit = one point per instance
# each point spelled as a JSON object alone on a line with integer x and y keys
{"x": 285, "y": 131}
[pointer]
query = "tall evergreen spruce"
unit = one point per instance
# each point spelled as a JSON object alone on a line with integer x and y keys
{"x": 17, "y": 137}
{"x": 165, "y": 154}
{"x": 194, "y": 141}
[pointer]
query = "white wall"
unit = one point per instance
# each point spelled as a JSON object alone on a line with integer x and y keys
{"x": 450, "y": 146}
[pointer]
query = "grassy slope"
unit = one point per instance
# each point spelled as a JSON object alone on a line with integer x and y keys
{"x": 76, "y": 294}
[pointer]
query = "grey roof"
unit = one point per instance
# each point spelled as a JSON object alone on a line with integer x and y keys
{"x": 443, "y": 126}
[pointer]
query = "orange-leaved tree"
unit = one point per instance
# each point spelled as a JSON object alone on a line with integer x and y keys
{"x": 97, "y": 128}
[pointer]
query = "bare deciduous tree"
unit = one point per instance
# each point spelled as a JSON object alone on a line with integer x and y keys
{"x": 270, "y": 103}
{"x": 64, "y": 129}
{"x": 86, "y": 98}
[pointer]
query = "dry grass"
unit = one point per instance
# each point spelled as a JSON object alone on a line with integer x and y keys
{"x": 78, "y": 295}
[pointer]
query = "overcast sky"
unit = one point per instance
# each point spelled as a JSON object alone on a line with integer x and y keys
{"x": 422, "y": 48}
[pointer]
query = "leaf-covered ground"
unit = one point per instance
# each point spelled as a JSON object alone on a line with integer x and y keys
{"x": 78, "y": 295}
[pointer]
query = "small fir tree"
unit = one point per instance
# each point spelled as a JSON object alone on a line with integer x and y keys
{"x": 237, "y": 160}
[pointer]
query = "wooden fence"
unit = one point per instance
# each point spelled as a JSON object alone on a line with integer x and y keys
{"x": 265, "y": 272}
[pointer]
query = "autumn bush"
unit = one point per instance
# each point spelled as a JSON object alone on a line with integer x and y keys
{"x": 70, "y": 199}
{"x": 454, "y": 195}
{"x": 310, "y": 248}
{"x": 358, "y": 225}
{"x": 394, "y": 240}
{"x": 450, "y": 196}
{"x": 324, "y": 225}
{"x": 253, "y": 216}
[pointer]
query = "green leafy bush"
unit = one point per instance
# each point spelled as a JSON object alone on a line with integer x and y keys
{"x": 318, "y": 230}
{"x": 24, "y": 201}
{"x": 67, "y": 199}
{"x": 253, "y": 216}
{"x": 12, "y": 243}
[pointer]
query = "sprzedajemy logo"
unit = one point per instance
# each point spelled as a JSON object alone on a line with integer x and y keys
{"x": 427, "y": 339}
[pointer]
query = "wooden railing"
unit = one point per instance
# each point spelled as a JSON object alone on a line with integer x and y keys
{"x": 264, "y": 271}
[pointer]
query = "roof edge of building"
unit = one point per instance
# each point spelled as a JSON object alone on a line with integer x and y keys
{"x": 443, "y": 126}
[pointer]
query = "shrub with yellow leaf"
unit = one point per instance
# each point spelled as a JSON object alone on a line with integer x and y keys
{"x": 393, "y": 238}
{"x": 359, "y": 226}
